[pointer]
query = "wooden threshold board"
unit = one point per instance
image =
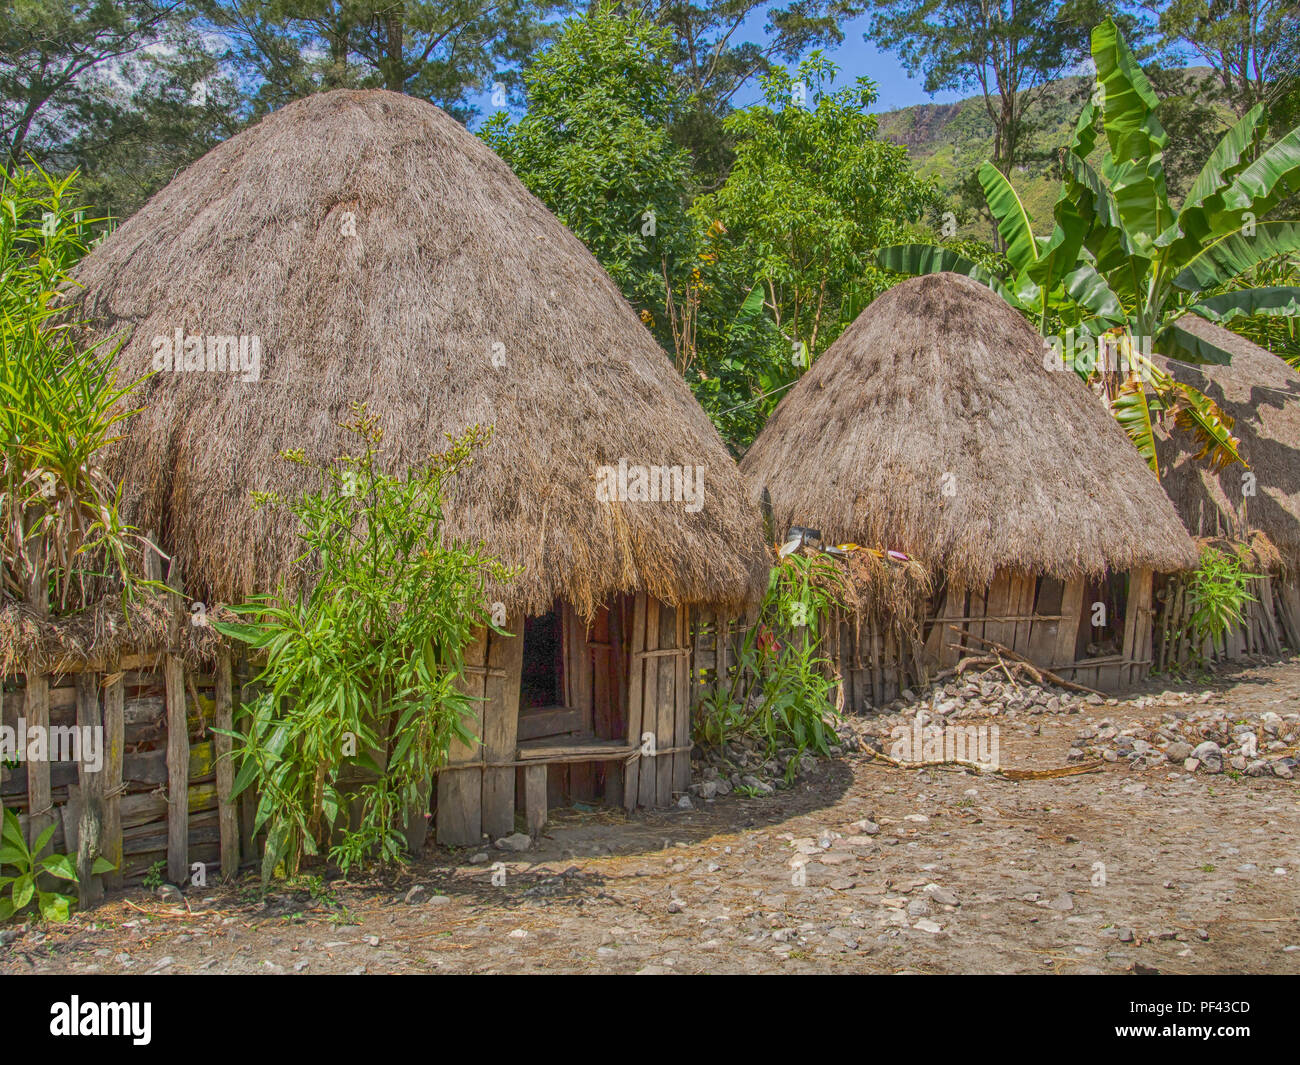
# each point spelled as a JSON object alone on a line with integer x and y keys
{"x": 573, "y": 747}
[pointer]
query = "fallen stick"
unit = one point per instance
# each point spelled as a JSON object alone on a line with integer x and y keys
{"x": 1009, "y": 774}
{"x": 1003, "y": 649}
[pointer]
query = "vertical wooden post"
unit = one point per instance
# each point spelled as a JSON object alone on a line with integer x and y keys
{"x": 178, "y": 745}
{"x": 648, "y": 794}
{"x": 36, "y": 708}
{"x": 460, "y": 784}
{"x": 535, "y": 798}
{"x": 90, "y": 889}
{"x": 248, "y": 797}
{"x": 636, "y": 673}
{"x": 1067, "y": 636}
{"x": 501, "y": 726}
{"x": 682, "y": 732}
{"x": 227, "y": 814}
{"x": 114, "y": 750}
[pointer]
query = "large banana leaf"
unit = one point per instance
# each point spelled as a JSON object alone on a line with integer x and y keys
{"x": 1279, "y": 301}
{"x": 918, "y": 259}
{"x": 1175, "y": 342}
{"x": 1196, "y": 413}
{"x": 1233, "y": 253}
{"x": 1266, "y": 181}
{"x": 1087, "y": 288}
{"x": 1133, "y": 410}
{"x": 1012, "y": 219}
{"x": 1230, "y": 156}
{"x": 1134, "y": 165}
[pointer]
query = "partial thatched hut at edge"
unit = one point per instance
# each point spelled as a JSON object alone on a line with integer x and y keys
{"x": 1256, "y": 509}
{"x": 932, "y": 428}
{"x": 368, "y": 248}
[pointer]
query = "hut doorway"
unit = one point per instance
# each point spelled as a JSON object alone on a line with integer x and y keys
{"x": 572, "y": 703}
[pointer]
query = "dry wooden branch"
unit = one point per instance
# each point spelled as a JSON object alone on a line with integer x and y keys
{"x": 1006, "y": 652}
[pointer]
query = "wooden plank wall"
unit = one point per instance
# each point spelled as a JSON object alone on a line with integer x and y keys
{"x": 1269, "y": 626}
{"x": 659, "y": 702}
{"x": 460, "y": 785}
{"x": 127, "y": 811}
{"x": 1039, "y": 618}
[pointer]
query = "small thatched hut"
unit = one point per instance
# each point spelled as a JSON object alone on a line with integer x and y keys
{"x": 933, "y": 428}
{"x": 1257, "y": 508}
{"x": 363, "y": 246}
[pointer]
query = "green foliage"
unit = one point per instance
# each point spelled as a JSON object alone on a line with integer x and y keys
{"x": 438, "y": 51}
{"x": 812, "y": 192}
{"x": 595, "y": 147}
{"x": 779, "y": 691}
{"x": 359, "y": 701}
{"x": 714, "y": 59}
{"x": 1218, "y": 592}
{"x": 25, "y": 873}
{"x": 1121, "y": 260}
{"x": 1010, "y": 51}
{"x": 155, "y": 876}
{"x": 59, "y": 407}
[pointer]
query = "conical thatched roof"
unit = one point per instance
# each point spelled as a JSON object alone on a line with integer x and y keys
{"x": 1262, "y": 393}
{"x": 383, "y": 254}
{"x": 932, "y": 427}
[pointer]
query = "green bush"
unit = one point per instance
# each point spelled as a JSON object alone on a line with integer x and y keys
{"x": 59, "y": 408}
{"x": 360, "y": 702}
{"x": 779, "y": 691}
{"x": 1218, "y": 591}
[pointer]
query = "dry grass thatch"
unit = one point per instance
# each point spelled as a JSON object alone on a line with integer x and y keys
{"x": 1262, "y": 393}
{"x": 932, "y": 427}
{"x": 147, "y": 625}
{"x": 383, "y": 254}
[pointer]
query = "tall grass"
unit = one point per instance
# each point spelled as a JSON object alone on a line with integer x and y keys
{"x": 62, "y": 541}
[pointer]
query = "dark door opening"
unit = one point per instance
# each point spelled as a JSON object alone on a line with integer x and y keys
{"x": 543, "y": 671}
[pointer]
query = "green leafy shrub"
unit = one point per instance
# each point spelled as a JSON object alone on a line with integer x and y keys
{"x": 1218, "y": 590}
{"x": 359, "y": 702}
{"x": 24, "y": 885}
{"x": 779, "y": 691}
{"x": 59, "y": 407}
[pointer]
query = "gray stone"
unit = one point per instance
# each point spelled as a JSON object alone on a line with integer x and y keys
{"x": 519, "y": 841}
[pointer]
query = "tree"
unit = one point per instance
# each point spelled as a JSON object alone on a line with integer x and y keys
{"x": 50, "y": 51}
{"x": 712, "y": 62}
{"x": 812, "y": 192}
{"x": 438, "y": 51}
{"x": 594, "y": 146}
{"x": 1121, "y": 261}
{"x": 1008, "y": 49}
{"x": 1250, "y": 45}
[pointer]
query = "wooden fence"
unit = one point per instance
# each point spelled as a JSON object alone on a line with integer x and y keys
{"x": 163, "y": 791}
{"x": 1269, "y": 626}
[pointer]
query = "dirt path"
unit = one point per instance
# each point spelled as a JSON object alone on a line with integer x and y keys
{"x": 952, "y": 872}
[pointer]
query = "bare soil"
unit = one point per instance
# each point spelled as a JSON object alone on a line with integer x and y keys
{"x": 1201, "y": 875}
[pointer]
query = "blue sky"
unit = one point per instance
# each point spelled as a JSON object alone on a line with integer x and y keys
{"x": 855, "y": 58}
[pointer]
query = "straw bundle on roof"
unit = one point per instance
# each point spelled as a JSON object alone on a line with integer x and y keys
{"x": 932, "y": 426}
{"x": 1262, "y": 394}
{"x": 379, "y": 252}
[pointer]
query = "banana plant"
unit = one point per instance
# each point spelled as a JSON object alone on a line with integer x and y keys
{"x": 1121, "y": 260}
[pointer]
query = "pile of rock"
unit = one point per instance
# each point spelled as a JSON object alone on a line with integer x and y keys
{"x": 1199, "y": 741}
{"x": 743, "y": 764}
{"x": 943, "y": 704}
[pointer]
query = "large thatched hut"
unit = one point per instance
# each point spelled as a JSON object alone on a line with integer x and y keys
{"x": 1255, "y": 507}
{"x": 932, "y": 428}
{"x": 363, "y": 246}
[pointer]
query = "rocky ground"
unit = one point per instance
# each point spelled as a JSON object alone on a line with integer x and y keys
{"x": 1150, "y": 856}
